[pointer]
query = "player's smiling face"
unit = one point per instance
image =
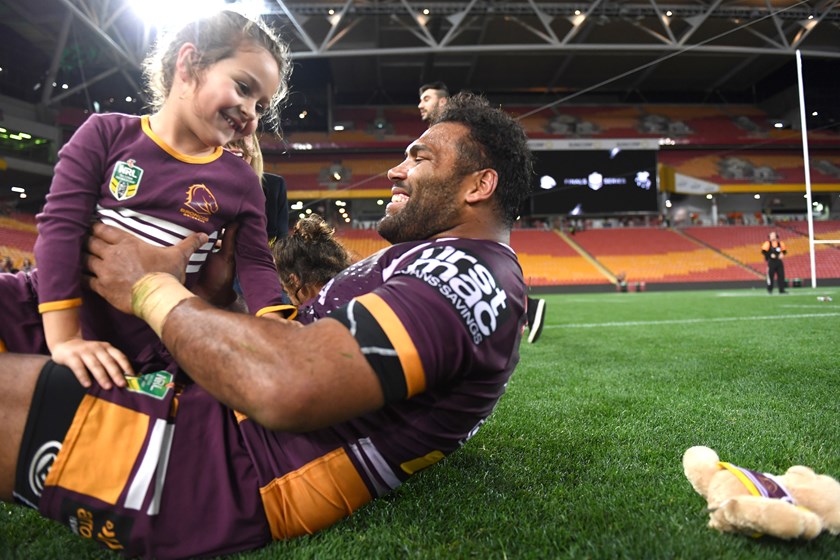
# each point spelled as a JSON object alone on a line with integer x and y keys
{"x": 424, "y": 197}
{"x": 231, "y": 94}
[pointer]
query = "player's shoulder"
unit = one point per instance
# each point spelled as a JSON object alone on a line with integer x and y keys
{"x": 452, "y": 249}
{"x": 449, "y": 257}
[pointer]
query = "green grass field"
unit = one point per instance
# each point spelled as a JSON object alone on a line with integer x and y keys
{"x": 582, "y": 458}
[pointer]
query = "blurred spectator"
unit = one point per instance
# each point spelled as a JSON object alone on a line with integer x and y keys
{"x": 433, "y": 96}
{"x": 774, "y": 251}
{"x": 27, "y": 265}
{"x": 274, "y": 187}
{"x": 7, "y": 265}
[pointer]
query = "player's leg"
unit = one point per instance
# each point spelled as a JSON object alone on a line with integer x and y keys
{"x": 780, "y": 277}
{"x": 535, "y": 309}
{"x": 19, "y": 374}
{"x": 769, "y": 278}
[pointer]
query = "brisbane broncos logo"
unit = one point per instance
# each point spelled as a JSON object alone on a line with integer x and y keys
{"x": 201, "y": 200}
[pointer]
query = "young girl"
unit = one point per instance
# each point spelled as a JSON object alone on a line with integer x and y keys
{"x": 162, "y": 177}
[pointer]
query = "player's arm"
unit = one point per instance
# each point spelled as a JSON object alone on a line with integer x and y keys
{"x": 281, "y": 375}
{"x": 766, "y": 250}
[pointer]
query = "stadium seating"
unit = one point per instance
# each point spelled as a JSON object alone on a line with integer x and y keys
{"x": 17, "y": 237}
{"x": 743, "y": 243}
{"x": 658, "y": 255}
{"x": 547, "y": 260}
{"x": 361, "y": 242}
{"x": 596, "y": 256}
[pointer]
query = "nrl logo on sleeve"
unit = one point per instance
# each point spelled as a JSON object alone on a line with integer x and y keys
{"x": 125, "y": 180}
{"x": 467, "y": 283}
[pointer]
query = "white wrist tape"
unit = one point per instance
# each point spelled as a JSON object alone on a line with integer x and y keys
{"x": 155, "y": 295}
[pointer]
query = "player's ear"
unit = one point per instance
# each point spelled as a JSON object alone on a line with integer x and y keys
{"x": 482, "y": 186}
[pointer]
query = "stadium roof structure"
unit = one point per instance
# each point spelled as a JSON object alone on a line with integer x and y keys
{"x": 86, "y": 55}
{"x": 380, "y": 51}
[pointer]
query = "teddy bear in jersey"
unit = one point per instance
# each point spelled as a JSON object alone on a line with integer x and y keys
{"x": 799, "y": 504}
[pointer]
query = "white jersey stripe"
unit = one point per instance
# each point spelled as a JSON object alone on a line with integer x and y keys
{"x": 163, "y": 463}
{"x": 143, "y": 479}
{"x": 380, "y": 489}
{"x": 155, "y": 231}
{"x": 142, "y": 229}
{"x": 157, "y": 223}
{"x": 118, "y": 225}
{"x": 379, "y": 463}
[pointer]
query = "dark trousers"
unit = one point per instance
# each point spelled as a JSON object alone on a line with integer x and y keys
{"x": 776, "y": 268}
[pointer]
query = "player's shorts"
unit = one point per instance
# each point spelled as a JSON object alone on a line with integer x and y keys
{"x": 21, "y": 330}
{"x": 56, "y": 398}
{"x": 156, "y": 470}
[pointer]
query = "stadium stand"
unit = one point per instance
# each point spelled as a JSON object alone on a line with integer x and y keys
{"x": 743, "y": 243}
{"x": 658, "y": 255}
{"x": 361, "y": 242}
{"x": 17, "y": 237}
{"x": 548, "y": 260}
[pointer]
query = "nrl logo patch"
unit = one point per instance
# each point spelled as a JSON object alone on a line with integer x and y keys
{"x": 155, "y": 385}
{"x": 125, "y": 180}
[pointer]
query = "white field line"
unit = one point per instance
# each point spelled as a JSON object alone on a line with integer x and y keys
{"x": 757, "y": 293}
{"x": 690, "y": 321}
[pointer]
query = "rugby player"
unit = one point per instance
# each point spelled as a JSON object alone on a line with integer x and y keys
{"x": 271, "y": 430}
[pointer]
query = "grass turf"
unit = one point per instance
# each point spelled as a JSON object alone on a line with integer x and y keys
{"x": 582, "y": 458}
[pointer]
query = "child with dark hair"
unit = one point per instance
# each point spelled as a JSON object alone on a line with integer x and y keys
{"x": 308, "y": 258}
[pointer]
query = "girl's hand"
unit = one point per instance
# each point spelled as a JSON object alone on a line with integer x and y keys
{"x": 108, "y": 365}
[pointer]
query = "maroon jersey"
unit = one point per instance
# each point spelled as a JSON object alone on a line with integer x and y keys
{"x": 439, "y": 321}
{"x": 115, "y": 169}
{"x": 21, "y": 330}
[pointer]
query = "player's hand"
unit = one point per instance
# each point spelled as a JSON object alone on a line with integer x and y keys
{"x": 117, "y": 260}
{"x": 215, "y": 285}
{"x": 105, "y": 363}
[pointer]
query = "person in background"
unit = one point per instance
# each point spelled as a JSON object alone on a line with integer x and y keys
{"x": 6, "y": 265}
{"x": 433, "y": 99}
{"x": 774, "y": 251}
{"x": 26, "y": 266}
{"x": 282, "y": 429}
{"x": 308, "y": 258}
{"x": 162, "y": 177}
{"x": 274, "y": 187}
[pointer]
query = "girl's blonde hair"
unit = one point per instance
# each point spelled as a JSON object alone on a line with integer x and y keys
{"x": 216, "y": 37}
{"x": 252, "y": 151}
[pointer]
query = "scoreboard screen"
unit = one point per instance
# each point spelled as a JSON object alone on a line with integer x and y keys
{"x": 594, "y": 182}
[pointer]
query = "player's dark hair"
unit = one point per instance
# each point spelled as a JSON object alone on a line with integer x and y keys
{"x": 439, "y": 86}
{"x": 495, "y": 141}
{"x": 311, "y": 253}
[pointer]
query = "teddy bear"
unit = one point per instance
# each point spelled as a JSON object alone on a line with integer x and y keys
{"x": 799, "y": 504}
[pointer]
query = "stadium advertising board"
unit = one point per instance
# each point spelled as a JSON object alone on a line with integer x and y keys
{"x": 594, "y": 177}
